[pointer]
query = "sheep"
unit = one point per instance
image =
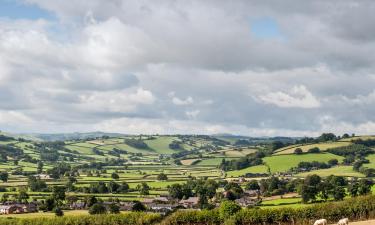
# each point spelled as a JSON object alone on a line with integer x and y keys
{"x": 344, "y": 221}
{"x": 321, "y": 222}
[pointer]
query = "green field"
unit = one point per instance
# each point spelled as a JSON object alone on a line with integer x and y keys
{"x": 346, "y": 171}
{"x": 253, "y": 169}
{"x": 305, "y": 148}
{"x": 282, "y": 163}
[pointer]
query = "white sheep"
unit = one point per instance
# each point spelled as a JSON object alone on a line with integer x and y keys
{"x": 344, "y": 221}
{"x": 321, "y": 222}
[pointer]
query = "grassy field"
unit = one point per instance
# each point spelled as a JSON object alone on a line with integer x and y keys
{"x": 305, "y": 148}
{"x": 282, "y": 163}
{"x": 346, "y": 171}
{"x": 253, "y": 169}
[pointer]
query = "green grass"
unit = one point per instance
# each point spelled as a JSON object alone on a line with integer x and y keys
{"x": 210, "y": 162}
{"x": 371, "y": 158}
{"x": 283, "y": 202}
{"x": 305, "y": 148}
{"x": 346, "y": 171}
{"x": 161, "y": 144}
{"x": 253, "y": 169}
{"x": 282, "y": 163}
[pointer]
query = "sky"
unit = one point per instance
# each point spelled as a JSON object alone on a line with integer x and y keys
{"x": 256, "y": 68}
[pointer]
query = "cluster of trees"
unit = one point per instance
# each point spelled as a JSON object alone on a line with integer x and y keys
{"x": 117, "y": 152}
{"x": 299, "y": 151}
{"x": 204, "y": 189}
{"x": 136, "y": 143}
{"x": 11, "y": 152}
{"x": 175, "y": 145}
{"x": 243, "y": 162}
{"x": 97, "y": 152}
{"x": 322, "y": 138}
{"x": 307, "y": 166}
{"x": 102, "y": 187}
{"x": 332, "y": 187}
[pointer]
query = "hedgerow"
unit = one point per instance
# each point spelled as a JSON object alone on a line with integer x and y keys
{"x": 133, "y": 218}
{"x": 360, "y": 208}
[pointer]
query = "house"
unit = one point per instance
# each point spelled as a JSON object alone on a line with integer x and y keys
{"x": 190, "y": 202}
{"x": 11, "y": 209}
{"x": 252, "y": 193}
{"x": 126, "y": 206}
{"x": 162, "y": 207}
{"x": 149, "y": 201}
{"x": 78, "y": 205}
{"x": 245, "y": 201}
{"x": 43, "y": 176}
{"x": 29, "y": 208}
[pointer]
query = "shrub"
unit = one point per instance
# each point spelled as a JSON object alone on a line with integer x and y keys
{"x": 228, "y": 208}
{"x": 298, "y": 151}
{"x": 97, "y": 208}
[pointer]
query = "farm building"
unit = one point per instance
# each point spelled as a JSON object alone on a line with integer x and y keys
{"x": 190, "y": 202}
{"x": 10, "y": 209}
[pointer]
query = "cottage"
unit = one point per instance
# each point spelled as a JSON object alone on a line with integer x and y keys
{"x": 190, "y": 202}
{"x": 43, "y": 176}
{"x": 11, "y": 209}
{"x": 162, "y": 207}
{"x": 29, "y": 208}
{"x": 245, "y": 201}
{"x": 78, "y": 205}
{"x": 126, "y": 206}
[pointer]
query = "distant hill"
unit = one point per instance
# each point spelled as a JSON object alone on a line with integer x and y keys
{"x": 67, "y": 136}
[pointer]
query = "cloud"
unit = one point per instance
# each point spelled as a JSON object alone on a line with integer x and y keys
{"x": 192, "y": 114}
{"x": 297, "y": 97}
{"x": 177, "y": 101}
{"x": 185, "y": 67}
{"x": 116, "y": 101}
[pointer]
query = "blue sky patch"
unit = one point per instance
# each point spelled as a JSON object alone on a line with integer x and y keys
{"x": 266, "y": 28}
{"x": 15, "y": 9}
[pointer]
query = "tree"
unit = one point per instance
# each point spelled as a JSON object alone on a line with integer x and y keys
{"x": 4, "y": 176}
{"x": 143, "y": 188}
{"x": 138, "y": 206}
{"x": 36, "y": 184}
{"x": 353, "y": 189}
{"x": 228, "y": 209}
{"x": 333, "y": 162}
{"x": 364, "y": 187}
{"x": 310, "y": 188}
{"x": 313, "y": 150}
{"x": 40, "y": 167}
{"x": 162, "y": 176}
{"x": 58, "y": 211}
{"x": 4, "y": 198}
{"x": 115, "y": 176}
{"x": 58, "y": 193}
{"x": 97, "y": 208}
{"x": 339, "y": 193}
{"x": 114, "y": 209}
{"x": 22, "y": 196}
{"x": 298, "y": 151}
{"x": 91, "y": 200}
{"x": 252, "y": 185}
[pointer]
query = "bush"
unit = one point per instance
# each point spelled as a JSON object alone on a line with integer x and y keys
{"x": 228, "y": 208}
{"x": 98, "y": 208}
{"x": 298, "y": 151}
{"x": 58, "y": 211}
